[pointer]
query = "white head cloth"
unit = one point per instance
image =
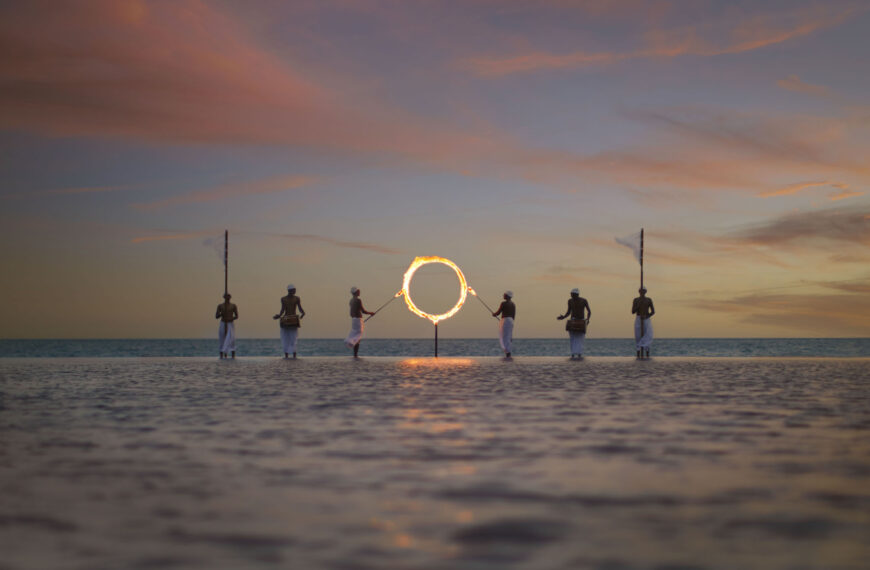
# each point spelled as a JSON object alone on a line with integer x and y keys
{"x": 575, "y": 291}
{"x": 509, "y": 294}
{"x": 353, "y": 290}
{"x": 291, "y": 286}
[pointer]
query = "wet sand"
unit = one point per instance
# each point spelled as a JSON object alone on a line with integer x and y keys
{"x": 471, "y": 463}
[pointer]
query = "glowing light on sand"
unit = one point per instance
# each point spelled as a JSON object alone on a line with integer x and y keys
{"x": 406, "y": 285}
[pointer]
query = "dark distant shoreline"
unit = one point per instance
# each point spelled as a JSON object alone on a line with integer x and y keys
{"x": 421, "y": 347}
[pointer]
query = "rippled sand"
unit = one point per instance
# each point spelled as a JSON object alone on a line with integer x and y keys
{"x": 391, "y": 463}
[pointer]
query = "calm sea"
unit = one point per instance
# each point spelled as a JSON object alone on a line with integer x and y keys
{"x": 412, "y": 463}
{"x": 702, "y": 347}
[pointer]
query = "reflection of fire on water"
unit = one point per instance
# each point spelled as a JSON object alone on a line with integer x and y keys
{"x": 406, "y": 285}
{"x": 441, "y": 362}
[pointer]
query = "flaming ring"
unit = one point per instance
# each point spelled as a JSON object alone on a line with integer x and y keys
{"x": 406, "y": 285}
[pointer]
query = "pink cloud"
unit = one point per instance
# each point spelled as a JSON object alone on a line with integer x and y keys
{"x": 794, "y": 83}
{"x": 838, "y": 314}
{"x": 749, "y": 34}
{"x": 169, "y": 237}
{"x": 168, "y": 71}
{"x": 845, "y": 194}
{"x": 217, "y": 244}
{"x": 820, "y": 227}
{"x": 793, "y": 189}
{"x": 68, "y": 191}
{"x": 347, "y": 244}
{"x": 257, "y": 187}
{"x": 188, "y": 72}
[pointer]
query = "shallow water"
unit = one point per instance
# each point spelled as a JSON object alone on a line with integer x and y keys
{"x": 411, "y": 347}
{"x": 470, "y": 463}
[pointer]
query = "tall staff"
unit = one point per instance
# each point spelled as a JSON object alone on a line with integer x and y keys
{"x": 635, "y": 243}
{"x": 641, "y": 258}
{"x": 226, "y": 258}
{"x": 642, "y": 331}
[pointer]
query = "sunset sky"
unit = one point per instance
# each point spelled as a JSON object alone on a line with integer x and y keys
{"x": 337, "y": 140}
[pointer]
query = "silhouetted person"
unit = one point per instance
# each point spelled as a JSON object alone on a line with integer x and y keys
{"x": 643, "y": 331}
{"x": 356, "y": 322}
{"x": 290, "y": 321}
{"x": 508, "y": 312}
{"x": 227, "y": 312}
{"x": 580, "y": 313}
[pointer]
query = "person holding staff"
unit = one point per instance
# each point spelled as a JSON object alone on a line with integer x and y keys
{"x": 508, "y": 312}
{"x": 356, "y": 322}
{"x": 227, "y": 312}
{"x": 580, "y": 313}
{"x": 290, "y": 321}
{"x": 643, "y": 331}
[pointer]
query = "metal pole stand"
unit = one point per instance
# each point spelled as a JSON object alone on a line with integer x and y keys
{"x": 436, "y": 340}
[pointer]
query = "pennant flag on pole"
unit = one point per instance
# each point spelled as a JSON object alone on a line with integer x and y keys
{"x": 633, "y": 243}
{"x": 215, "y": 243}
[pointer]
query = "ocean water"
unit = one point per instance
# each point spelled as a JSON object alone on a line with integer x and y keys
{"x": 705, "y": 347}
{"x": 414, "y": 463}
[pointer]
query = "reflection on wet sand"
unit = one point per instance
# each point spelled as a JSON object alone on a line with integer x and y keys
{"x": 421, "y": 463}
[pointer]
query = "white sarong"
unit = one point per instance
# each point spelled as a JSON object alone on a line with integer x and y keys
{"x": 576, "y": 342}
{"x": 505, "y": 333}
{"x": 356, "y": 332}
{"x": 288, "y": 339}
{"x": 643, "y": 341}
{"x": 227, "y": 337}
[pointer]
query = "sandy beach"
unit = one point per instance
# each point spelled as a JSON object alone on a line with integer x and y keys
{"x": 471, "y": 463}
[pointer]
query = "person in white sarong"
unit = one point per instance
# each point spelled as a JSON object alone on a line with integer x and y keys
{"x": 508, "y": 312}
{"x": 643, "y": 330}
{"x": 227, "y": 312}
{"x": 356, "y": 322}
{"x": 289, "y": 333}
{"x": 578, "y": 310}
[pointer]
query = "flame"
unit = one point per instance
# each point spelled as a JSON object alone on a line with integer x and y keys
{"x": 406, "y": 285}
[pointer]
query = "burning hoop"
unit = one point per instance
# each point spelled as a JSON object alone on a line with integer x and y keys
{"x": 406, "y": 284}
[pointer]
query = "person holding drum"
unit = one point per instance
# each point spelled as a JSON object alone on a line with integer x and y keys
{"x": 643, "y": 307}
{"x": 580, "y": 313}
{"x": 290, "y": 321}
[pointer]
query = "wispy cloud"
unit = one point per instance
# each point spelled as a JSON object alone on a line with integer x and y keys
{"x": 794, "y": 83}
{"x": 168, "y": 237}
{"x": 217, "y": 243}
{"x": 861, "y": 287}
{"x": 709, "y": 149}
{"x": 234, "y": 190}
{"x": 576, "y": 275}
{"x": 67, "y": 191}
{"x": 846, "y": 194}
{"x": 749, "y": 135}
{"x": 190, "y": 72}
{"x": 85, "y": 190}
{"x": 820, "y": 314}
{"x": 833, "y": 225}
{"x": 794, "y": 188}
{"x": 751, "y": 33}
{"x": 334, "y": 242}
{"x": 689, "y": 152}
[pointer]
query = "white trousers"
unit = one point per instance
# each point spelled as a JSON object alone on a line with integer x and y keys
{"x": 506, "y": 333}
{"x": 288, "y": 339}
{"x": 227, "y": 337}
{"x": 356, "y": 332}
{"x": 643, "y": 340}
{"x": 577, "y": 339}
